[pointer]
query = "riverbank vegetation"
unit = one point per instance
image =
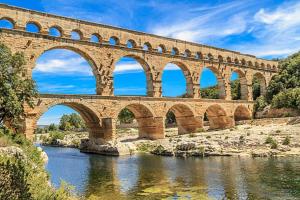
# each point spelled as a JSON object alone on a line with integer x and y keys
{"x": 22, "y": 172}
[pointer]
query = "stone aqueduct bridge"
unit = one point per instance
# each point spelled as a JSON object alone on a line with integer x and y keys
{"x": 153, "y": 53}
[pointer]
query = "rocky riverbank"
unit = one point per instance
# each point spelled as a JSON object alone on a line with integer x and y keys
{"x": 261, "y": 138}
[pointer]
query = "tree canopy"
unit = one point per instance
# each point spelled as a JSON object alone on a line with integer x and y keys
{"x": 15, "y": 89}
{"x": 71, "y": 122}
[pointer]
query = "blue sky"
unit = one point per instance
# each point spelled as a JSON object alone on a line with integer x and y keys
{"x": 267, "y": 29}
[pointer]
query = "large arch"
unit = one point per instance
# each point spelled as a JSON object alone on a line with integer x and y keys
{"x": 146, "y": 69}
{"x": 258, "y": 80}
{"x": 220, "y": 81}
{"x": 148, "y": 124}
{"x": 88, "y": 114}
{"x": 187, "y": 75}
{"x": 217, "y": 117}
{"x": 83, "y": 53}
{"x": 185, "y": 118}
{"x": 242, "y": 113}
{"x": 242, "y": 82}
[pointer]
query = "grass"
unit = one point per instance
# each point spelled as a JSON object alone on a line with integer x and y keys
{"x": 273, "y": 143}
{"x": 286, "y": 141}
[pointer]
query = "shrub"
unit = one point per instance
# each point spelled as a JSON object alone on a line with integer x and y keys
{"x": 272, "y": 142}
{"x": 269, "y": 140}
{"x": 57, "y": 135}
{"x": 192, "y": 135}
{"x": 287, "y": 99}
{"x": 260, "y": 103}
{"x": 286, "y": 141}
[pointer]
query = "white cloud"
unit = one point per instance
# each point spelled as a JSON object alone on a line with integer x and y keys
{"x": 133, "y": 67}
{"x": 66, "y": 66}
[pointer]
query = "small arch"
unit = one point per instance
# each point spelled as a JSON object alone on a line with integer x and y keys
{"x": 174, "y": 51}
{"x": 145, "y": 119}
{"x": 243, "y": 62}
{"x": 161, "y": 48}
{"x": 199, "y": 55}
{"x": 236, "y": 61}
{"x": 220, "y": 58}
{"x": 269, "y": 66}
{"x": 229, "y": 60}
{"x": 210, "y": 57}
{"x": 274, "y": 67}
{"x": 256, "y": 64}
{"x": 147, "y": 46}
{"x": 250, "y": 64}
{"x": 33, "y": 27}
{"x": 262, "y": 65}
{"x": 187, "y": 53}
{"x": 184, "y": 119}
{"x": 55, "y": 31}
{"x": 76, "y": 35}
{"x": 242, "y": 113}
{"x": 7, "y": 23}
{"x": 114, "y": 40}
{"x": 217, "y": 117}
{"x": 131, "y": 44}
{"x": 96, "y": 38}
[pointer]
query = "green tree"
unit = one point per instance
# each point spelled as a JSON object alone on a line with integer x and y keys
{"x": 126, "y": 116}
{"x": 288, "y": 76}
{"x": 235, "y": 89}
{"x": 210, "y": 92}
{"x": 255, "y": 88}
{"x": 16, "y": 90}
{"x": 52, "y": 127}
{"x": 71, "y": 122}
{"x": 64, "y": 123}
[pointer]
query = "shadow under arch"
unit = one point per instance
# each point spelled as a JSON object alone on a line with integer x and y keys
{"x": 187, "y": 75}
{"x": 90, "y": 118}
{"x": 77, "y": 50}
{"x": 185, "y": 119}
{"x": 243, "y": 83}
{"x": 217, "y": 117}
{"x": 242, "y": 113}
{"x": 148, "y": 124}
{"x": 147, "y": 71}
{"x": 220, "y": 81}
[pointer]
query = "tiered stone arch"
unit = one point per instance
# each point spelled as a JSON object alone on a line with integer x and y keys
{"x": 186, "y": 119}
{"x": 149, "y": 125}
{"x": 87, "y": 112}
{"x": 146, "y": 67}
{"x": 217, "y": 117}
{"x": 242, "y": 113}
{"x": 243, "y": 82}
{"x": 220, "y": 80}
{"x": 79, "y": 50}
{"x": 186, "y": 72}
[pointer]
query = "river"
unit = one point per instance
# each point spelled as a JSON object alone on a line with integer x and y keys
{"x": 153, "y": 177}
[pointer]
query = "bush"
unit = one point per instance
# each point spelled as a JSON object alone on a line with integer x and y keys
{"x": 286, "y": 141}
{"x": 57, "y": 135}
{"x": 287, "y": 99}
{"x": 272, "y": 142}
{"x": 260, "y": 104}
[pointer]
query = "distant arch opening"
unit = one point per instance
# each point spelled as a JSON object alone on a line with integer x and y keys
{"x": 176, "y": 81}
{"x": 64, "y": 71}
{"x": 215, "y": 118}
{"x": 114, "y": 40}
{"x": 131, "y": 44}
{"x": 258, "y": 85}
{"x": 238, "y": 84}
{"x": 147, "y": 46}
{"x": 174, "y": 51}
{"x": 212, "y": 84}
{"x": 33, "y": 27}
{"x": 95, "y": 38}
{"x": 242, "y": 113}
{"x": 55, "y": 32}
{"x": 76, "y": 35}
{"x": 137, "y": 116}
{"x": 7, "y": 23}
{"x": 161, "y": 48}
{"x": 132, "y": 76}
